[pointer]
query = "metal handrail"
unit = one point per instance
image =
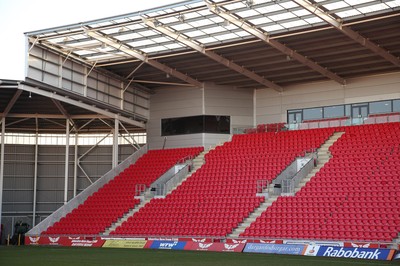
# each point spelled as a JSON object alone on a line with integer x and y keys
{"x": 81, "y": 197}
{"x": 355, "y": 121}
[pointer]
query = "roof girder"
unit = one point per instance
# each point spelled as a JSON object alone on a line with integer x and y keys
{"x": 349, "y": 32}
{"x": 217, "y": 58}
{"x": 241, "y": 23}
{"x": 143, "y": 57}
{"x": 11, "y": 103}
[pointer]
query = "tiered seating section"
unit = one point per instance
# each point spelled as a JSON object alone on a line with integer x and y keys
{"x": 355, "y": 196}
{"x": 116, "y": 198}
{"x": 217, "y": 197}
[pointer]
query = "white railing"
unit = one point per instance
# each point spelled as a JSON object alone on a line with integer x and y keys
{"x": 377, "y": 119}
{"x": 162, "y": 189}
{"x": 289, "y": 185}
{"x": 286, "y": 182}
{"x": 81, "y": 197}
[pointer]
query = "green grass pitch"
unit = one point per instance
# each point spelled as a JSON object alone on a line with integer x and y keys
{"x": 58, "y": 256}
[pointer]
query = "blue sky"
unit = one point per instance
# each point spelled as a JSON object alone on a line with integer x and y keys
{"x": 19, "y": 16}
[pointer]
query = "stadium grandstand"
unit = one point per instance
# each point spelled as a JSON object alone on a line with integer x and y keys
{"x": 230, "y": 121}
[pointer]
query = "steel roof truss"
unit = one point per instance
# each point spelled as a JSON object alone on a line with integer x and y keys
{"x": 275, "y": 44}
{"x": 201, "y": 49}
{"x": 349, "y": 32}
{"x": 143, "y": 57}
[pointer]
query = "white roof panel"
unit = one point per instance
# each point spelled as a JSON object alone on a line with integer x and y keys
{"x": 194, "y": 19}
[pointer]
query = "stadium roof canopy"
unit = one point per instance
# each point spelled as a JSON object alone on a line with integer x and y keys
{"x": 246, "y": 43}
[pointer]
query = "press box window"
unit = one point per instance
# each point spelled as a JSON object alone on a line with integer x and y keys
{"x": 217, "y": 124}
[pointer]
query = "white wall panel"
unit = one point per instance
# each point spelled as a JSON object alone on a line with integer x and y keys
{"x": 169, "y": 103}
{"x": 272, "y": 106}
{"x": 51, "y": 68}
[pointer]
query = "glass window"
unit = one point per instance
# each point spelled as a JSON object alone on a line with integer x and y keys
{"x": 312, "y": 113}
{"x": 380, "y": 107}
{"x": 334, "y": 111}
{"x": 396, "y": 106}
{"x": 348, "y": 110}
{"x": 195, "y": 124}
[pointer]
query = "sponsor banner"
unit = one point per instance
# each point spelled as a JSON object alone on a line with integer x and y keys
{"x": 236, "y": 241}
{"x": 86, "y": 242}
{"x": 164, "y": 239}
{"x": 244, "y": 241}
{"x": 32, "y": 240}
{"x": 356, "y": 253}
{"x": 311, "y": 250}
{"x": 360, "y": 245}
{"x": 218, "y": 247}
{"x": 161, "y": 244}
{"x": 397, "y": 256}
{"x": 124, "y": 243}
{"x": 318, "y": 243}
{"x": 197, "y": 239}
{"x": 65, "y": 241}
{"x": 266, "y": 241}
{"x": 293, "y": 249}
{"x": 148, "y": 244}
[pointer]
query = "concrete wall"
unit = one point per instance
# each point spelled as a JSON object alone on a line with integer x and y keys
{"x": 174, "y": 102}
{"x": 189, "y": 101}
{"x": 272, "y": 106}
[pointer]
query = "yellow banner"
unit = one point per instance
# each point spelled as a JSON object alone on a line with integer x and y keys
{"x": 114, "y": 243}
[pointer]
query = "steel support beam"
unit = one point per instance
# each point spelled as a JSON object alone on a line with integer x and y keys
{"x": 210, "y": 54}
{"x": 349, "y": 32}
{"x": 53, "y": 116}
{"x": 35, "y": 176}
{"x": 142, "y": 56}
{"x": 115, "y": 144}
{"x": 2, "y": 139}
{"x": 241, "y": 23}
{"x": 64, "y": 112}
{"x": 75, "y": 165}
{"x": 53, "y": 95}
{"x": 66, "y": 161}
{"x": 11, "y": 103}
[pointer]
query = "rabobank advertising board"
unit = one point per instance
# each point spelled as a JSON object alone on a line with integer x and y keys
{"x": 356, "y": 253}
{"x": 289, "y": 249}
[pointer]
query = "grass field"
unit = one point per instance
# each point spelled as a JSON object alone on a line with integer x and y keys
{"x": 58, "y": 256}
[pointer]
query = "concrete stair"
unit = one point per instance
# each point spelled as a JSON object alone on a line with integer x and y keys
{"x": 197, "y": 164}
{"x": 253, "y": 216}
{"x": 147, "y": 195}
{"x": 324, "y": 156}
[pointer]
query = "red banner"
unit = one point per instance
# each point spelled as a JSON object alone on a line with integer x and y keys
{"x": 64, "y": 241}
{"x": 268, "y": 241}
{"x": 213, "y": 246}
{"x": 237, "y": 241}
{"x": 360, "y": 245}
{"x": 198, "y": 239}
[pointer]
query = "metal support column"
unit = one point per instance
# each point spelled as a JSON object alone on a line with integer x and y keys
{"x": 35, "y": 173}
{"x": 115, "y": 144}
{"x": 66, "y": 161}
{"x": 75, "y": 164}
{"x": 3, "y": 131}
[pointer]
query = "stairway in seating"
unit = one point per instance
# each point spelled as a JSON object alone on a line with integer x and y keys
{"x": 197, "y": 164}
{"x": 252, "y": 217}
{"x": 198, "y": 161}
{"x": 323, "y": 157}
